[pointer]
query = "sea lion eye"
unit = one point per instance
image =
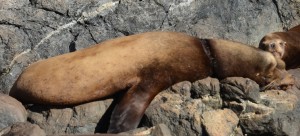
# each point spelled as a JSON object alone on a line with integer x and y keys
{"x": 272, "y": 45}
{"x": 282, "y": 44}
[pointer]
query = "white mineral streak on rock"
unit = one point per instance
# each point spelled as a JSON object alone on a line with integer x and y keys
{"x": 85, "y": 16}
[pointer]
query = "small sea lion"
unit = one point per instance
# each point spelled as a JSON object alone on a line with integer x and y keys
{"x": 284, "y": 45}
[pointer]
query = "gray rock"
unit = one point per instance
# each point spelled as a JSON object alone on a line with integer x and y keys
{"x": 41, "y": 29}
{"x": 180, "y": 113}
{"x": 180, "y": 107}
{"x": 278, "y": 114}
{"x": 239, "y": 89}
{"x": 296, "y": 74}
{"x": 182, "y": 88}
{"x": 161, "y": 130}
{"x": 288, "y": 11}
{"x": 208, "y": 86}
{"x": 11, "y": 111}
{"x": 262, "y": 120}
{"x": 38, "y": 29}
{"x": 13, "y": 4}
{"x": 208, "y": 90}
{"x": 81, "y": 119}
{"x": 158, "y": 130}
{"x": 220, "y": 122}
{"x": 25, "y": 129}
{"x": 274, "y": 113}
{"x": 279, "y": 100}
{"x": 256, "y": 119}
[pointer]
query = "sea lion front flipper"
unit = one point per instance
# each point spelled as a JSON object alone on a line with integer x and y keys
{"x": 130, "y": 109}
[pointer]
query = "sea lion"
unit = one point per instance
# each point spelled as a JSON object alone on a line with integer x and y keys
{"x": 141, "y": 66}
{"x": 284, "y": 45}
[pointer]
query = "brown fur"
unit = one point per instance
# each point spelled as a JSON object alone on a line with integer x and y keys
{"x": 141, "y": 65}
{"x": 284, "y": 45}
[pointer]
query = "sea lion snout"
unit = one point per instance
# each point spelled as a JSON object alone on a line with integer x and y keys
{"x": 275, "y": 46}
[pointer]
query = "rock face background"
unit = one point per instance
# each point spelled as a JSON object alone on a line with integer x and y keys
{"x": 31, "y": 30}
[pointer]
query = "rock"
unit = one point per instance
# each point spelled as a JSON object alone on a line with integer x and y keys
{"x": 39, "y": 29}
{"x": 279, "y": 100}
{"x": 239, "y": 89}
{"x": 145, "y": 131}
{"x": 25, "y": 129}
{"x": 278, "y": 114}
{"x": 183, "y": 88}
{"x": 11, "y": 111}
{"x": 288, "y": 11}
{"x": 266, "y": 121}
{"x": 161, "y": 130}
{"x": 180, "y": 113}
{"x": 81, "y": 119}
{"x": 220, "y": 122}
{"x": 208, "y": 90}
{"x": 296, "y": 74}
{"x": 208, "y": 86}
{"x": 4, "y": 131}
{"x": 13, "y": 4}
{"x": 158, "y": 130}
{"x": 266, "y": 113}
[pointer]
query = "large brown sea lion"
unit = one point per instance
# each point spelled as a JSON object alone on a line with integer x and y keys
{"x": 141, "y": 66}
{"x": 285, "y": 45}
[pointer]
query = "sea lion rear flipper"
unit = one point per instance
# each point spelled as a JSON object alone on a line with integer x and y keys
{"x": 130, "y": 109}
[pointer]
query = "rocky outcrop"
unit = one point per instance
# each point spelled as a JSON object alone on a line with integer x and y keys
{"x": 246, "y": 110}
{"x": 233, "y": 106}
{"x": 81, "y": 119}
{"x": 11, "y": 111}
{"x": 31, "y": 30}
{"x": 23, "y": 129}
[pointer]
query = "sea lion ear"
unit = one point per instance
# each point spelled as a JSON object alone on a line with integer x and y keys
{"x": 284, "y": 43}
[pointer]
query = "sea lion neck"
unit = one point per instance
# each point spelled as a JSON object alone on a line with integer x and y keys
{"x": 207, "y": 49}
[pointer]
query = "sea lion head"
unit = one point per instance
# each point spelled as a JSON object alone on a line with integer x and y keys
{"x": 274, "y": 44}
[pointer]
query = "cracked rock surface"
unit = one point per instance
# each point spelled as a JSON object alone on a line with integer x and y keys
{"x": 31, "y": 30}
{"x": 11, "y": 111}
{"x": 217, "y": 110}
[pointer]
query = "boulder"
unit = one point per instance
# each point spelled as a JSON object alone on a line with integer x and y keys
{"x": 208, "y": 89}
{"x": 239, "y": 89}
{"x": 11, "y": 111}
{"x": 180, "y": 113}
{"x": 158, "y": 130}
{"x": 24, "y": 129}
{"x": 221, "y": 123}
{"x": 80, "y": 119}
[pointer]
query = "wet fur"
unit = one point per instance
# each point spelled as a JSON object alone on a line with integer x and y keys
{"x": 140, "y": 65}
